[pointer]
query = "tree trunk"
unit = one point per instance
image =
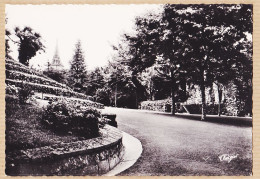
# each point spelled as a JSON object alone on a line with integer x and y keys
{"x": 116, "y": 96}
{"x": 136, "y": 99}
{"x": 219, "y": 110}
{"x": 151, "y": 90}
{"x": 173, "y": 85}
{"x": 219, "y": 100}
{"x": 140, "y": 89}
{"x": 203, "y": 105}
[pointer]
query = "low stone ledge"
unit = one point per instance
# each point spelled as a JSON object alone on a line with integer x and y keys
{"x": 88, "y": 157}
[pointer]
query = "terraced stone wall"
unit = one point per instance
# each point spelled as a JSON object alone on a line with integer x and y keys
{"x": 18, "y": 75}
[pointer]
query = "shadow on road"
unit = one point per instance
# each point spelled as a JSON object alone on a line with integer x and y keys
{"x": 228, "y": 120}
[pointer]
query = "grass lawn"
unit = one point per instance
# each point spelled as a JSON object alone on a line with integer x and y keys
{"x": 25, "y": 130}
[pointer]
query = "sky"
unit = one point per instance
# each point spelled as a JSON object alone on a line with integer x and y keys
{"x": 96, "y": 26}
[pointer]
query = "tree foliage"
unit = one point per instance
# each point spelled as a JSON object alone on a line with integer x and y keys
{"x": 77, "y": 71}
{"x": 198, "y": 44}
{"x": 95, "y": 80}
{"x": 29, "y": 43}
{"x": 135, "y": 53}
{"x": 7, "y": 39}
{"x": 217, "y": 42}
{"x": 123, "y": 88}
{"x": 59, "y": 76}
{"x": 184, "y": 45}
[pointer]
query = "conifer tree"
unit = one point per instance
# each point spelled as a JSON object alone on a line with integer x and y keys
{"x": 77, "y": 72}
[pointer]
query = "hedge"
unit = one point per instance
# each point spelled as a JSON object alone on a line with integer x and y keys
{"x": 15, "y": 75}
{"x": 18, "y": 75}
{"x": 165, "y": 106}
{"x": 11, "y": 90}
{"x": 76, "y": 101}
{"x": 158, "y": 105}
{"x": 47, "y": 89}
{"x": 14, "y": 65}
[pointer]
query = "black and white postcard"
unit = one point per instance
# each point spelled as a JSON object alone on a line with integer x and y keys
{"x": 128, "y": 89}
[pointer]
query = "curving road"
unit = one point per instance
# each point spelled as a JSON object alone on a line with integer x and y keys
{"x": 180, "y": 146}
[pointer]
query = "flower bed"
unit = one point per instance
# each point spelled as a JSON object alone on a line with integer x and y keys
{"x": 70, "y": 116}
{"x": 33, "y": 149}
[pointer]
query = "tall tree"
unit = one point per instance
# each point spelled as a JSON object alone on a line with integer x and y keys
{"x": 7, "y": 38}
{"x": 198, "y": 44}
{"x": 95, "y": 81}
{"x": 173, "y": 49}
{"x": 213, "y": 39}
{"x": 158, "y": 40}
{"x": 242, "y": 66}
{"x": 77, "y": 71}
{"x": 29, "y": 43}
{"x": 142, "y": 51}
{"x": 121, "y": 82}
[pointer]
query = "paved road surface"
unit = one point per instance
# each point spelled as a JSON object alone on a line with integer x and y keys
{"x": 179, "y": 146}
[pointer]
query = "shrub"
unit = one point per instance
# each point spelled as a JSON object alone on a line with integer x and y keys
{"x": 194, "y": 108}
{"x": 66, "y": 117}
{"x": 27, "y": 77}
{"x": 165, "y": 106}
{"x": 25, "y": 131}
{"x": 103, "y": 96}
{"x": 24, "y": 93}
{"x": 210, "y": 108}
{"x": 16, "y": 66}
{"x": 58, "y": 76}
{"x": 11, "y": 90}
{"x": 11, "y": 102}
{"x": 75, "y": 101}
{"x": 158, "y": 105}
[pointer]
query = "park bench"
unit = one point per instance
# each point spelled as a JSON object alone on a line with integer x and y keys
{"x": 111, "y": 118}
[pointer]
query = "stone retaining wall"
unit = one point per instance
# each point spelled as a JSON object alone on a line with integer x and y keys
{"x": 89, "y": 157}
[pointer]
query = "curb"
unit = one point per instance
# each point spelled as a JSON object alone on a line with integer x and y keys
{"x": 132, "y": 151}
